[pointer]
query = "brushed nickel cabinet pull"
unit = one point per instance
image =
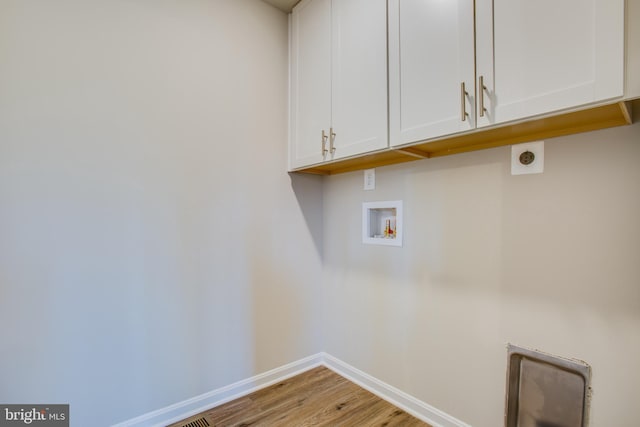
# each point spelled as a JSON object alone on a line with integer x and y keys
{"x": 332, "y": 138}
{"x": 463, "y": 107}
{"x": 324, "y": 142}
{"x": 481, "y": 94}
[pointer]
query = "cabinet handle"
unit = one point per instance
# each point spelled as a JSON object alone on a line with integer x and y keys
{"x": 324, "y": 143}
{"x": 482, "y": 89}
{"x": 463, "y": 107}
{"x": 332, "y": 138}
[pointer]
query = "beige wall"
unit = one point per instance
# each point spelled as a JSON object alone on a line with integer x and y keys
{"x": 547, "y": 261}
{"x": 152, "y": 247}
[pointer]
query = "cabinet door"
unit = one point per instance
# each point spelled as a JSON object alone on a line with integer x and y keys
{"x": 431, "y": 53}
{"x": 310, "y": 81}
{"x": 359, "y": 76}
{"x": 542, "y": 56}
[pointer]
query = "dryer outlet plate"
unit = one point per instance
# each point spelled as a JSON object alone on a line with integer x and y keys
{"x": 527, "y": 158}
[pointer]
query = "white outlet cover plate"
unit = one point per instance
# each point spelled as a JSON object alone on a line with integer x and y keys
{"x": 537, "y": 166}
{"x": 370, "y": 179}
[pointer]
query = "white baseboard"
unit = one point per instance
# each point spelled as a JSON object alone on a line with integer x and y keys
{"x": 187, "y": 408}
{"x": 402, "y": 400}
{"x": 190, "y": 407}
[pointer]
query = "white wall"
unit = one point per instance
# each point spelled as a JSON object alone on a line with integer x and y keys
{"x": 152, "y": 246}
{"x": 547, "y": 261}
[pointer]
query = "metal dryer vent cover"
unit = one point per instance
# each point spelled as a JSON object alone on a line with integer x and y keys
{"x": 545, "y": 390}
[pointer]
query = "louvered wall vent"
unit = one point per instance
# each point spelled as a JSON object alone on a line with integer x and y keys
{"x": 200, "y": 422}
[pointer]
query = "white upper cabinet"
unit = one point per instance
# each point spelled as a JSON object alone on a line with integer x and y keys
{"x": 431, "y": 57}
{"x": 542, "y": 56}
{"x": 338, "y": 80}
{"x": 516, "y": 58}
{"x": 310, "y": 81}
{"x": 359, "y": 78}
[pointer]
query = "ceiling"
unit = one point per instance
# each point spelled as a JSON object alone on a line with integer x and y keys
{"x": 283, "y": 5}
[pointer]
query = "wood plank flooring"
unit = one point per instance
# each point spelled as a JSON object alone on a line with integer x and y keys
{"x": 318, "y": 397}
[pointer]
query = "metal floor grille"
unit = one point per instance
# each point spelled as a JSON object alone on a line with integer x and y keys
{"x": 200, "y": 422}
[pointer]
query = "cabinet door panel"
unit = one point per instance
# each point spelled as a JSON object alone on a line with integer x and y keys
{"x": 359, "y": 76}
{"x": 548, "y": 55}
{"x": 431, "y": 53}
{"x": 310, "y": 81}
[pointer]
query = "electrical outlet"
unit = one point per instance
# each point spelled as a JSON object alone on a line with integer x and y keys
{"x": 527, "y": 158}
{"x": 370, "y": 179}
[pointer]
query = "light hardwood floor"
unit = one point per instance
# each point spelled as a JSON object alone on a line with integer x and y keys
{"x": 318, "y": 397}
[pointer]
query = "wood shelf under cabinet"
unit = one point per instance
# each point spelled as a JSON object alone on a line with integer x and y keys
{"x": 595, "y": 118}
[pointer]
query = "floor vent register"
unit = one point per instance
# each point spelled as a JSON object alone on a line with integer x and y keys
{"x": 200, "y": 422}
